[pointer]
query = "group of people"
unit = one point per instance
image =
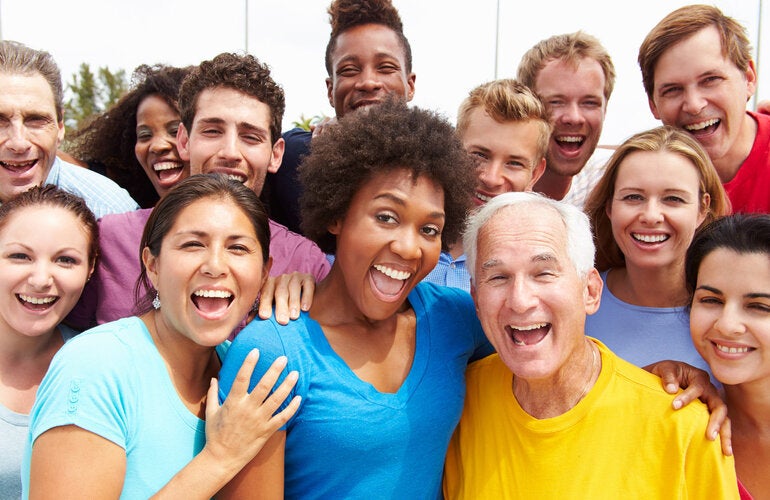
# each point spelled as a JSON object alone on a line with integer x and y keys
{"x": 460, "y": 311}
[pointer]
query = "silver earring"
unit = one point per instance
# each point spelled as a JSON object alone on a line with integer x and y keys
{"x": 156, "y": 301}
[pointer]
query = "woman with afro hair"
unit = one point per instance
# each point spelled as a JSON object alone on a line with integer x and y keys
{"x": 381, "y": 356}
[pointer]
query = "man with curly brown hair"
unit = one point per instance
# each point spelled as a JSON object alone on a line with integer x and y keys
{"x": 367, "y": 58}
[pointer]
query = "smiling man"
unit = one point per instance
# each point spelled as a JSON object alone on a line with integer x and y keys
{"x": 504, "y": 127}
{"x": 231, "y": 112}
{"x": 367, "y": 58}
{"x": 555, "y": 414}
{"x": 32, "y": 128}
{"x": 698, "y": 74}
{"x": 574, "y": 76}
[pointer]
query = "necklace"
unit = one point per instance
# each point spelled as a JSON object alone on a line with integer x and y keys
{"x": 590, "y": 374}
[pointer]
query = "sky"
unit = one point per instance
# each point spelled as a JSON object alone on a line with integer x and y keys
{"x": 453, "y": 41}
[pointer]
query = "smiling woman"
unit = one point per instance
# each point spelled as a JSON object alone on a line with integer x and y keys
{"x": 658, "y": 188}
{"x": 42, "y": 274}
{"x": 129, "y": 408}
{"x": 381, "y": 356}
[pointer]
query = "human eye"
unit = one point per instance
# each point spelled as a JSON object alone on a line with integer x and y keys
{"x": 516, "y": 165}
{"x": 592, "y": 103}
{"x": 240, "y": 248}
{"x": 19, "y": 256}
{"x": 386, "y": 218}
{"x": 190, "y": 245}
{"x": 37, "y": 121}
{"x": 478, "y": 157}
{"x": 173, "y": 129}
{"x": 252, "y": 138}
{"x": 762, "y": 307}
{"x": 67, "y": 261}
{"x": 143, "y": 135}
{"x": 678, "y": 200}
{"x": 707, "y": 299}
{"x": 431, "y": 230}
{"x": 671, "y": 91}
{"x": 388, "y": 68}
{"x": 712, "y": 80}
{"x": 632, "y": 197}
{"x": 348, "y": 70}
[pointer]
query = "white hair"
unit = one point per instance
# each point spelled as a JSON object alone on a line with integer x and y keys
{"x": 580, "y": 242}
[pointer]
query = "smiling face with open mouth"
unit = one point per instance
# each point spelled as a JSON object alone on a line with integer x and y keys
{"x": 157, "y": 124}
{"x": 730, "y": 315}
{"x": 656, "y": 208}
{"x": 208, "y": 272}
{"x": 389, "y": 239}
{"x": 30, "y": 132}
{"x": 529, "y": 297}
{"x": 231, "y": 135}
{"x": 699, "y": 89}
{"x": 43, "y": 268}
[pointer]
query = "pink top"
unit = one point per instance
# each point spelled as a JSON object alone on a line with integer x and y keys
{"x": 109, "y": 295}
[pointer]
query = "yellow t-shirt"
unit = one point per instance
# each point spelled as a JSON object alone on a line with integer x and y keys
{"x": 623, "y": 440}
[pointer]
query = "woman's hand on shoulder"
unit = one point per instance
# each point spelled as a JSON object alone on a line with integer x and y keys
{"x": 289, "y": 293}
{"x": 696, "y": 384}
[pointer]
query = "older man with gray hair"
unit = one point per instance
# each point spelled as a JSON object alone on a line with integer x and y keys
{"x": 555, "y": 414}
{"x": 32, "y": 128}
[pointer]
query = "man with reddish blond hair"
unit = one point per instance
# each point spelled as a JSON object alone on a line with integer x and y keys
{"x": 698, "y": 74}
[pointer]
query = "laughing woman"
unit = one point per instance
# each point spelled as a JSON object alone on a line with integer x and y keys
{"x": 122, "y": 410}
{"x": 728, "y": 275}
{"x": 381, "y": 356}
{"x": 658, "y": 188}
{"x": 42, "y": 273}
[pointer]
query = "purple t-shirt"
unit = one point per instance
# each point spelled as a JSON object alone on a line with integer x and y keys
{"x": 109, "y": 295}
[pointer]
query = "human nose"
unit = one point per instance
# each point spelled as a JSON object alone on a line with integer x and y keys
{"x": 694, "y": 102}
{"x": 369, "y": 80}
{"x": 570, "y": 114}
{"x": 490, "y": 174}
{"x": 160, "y": 144}
{"x": 17, "y": 137}
{"x": 40, "y": 278}
{"x": 728, "y": 322}
{"x": 652, "y": 212}
{"x": 520, "y": 296}
{"x": 405, "y": 243}
{"x": 228, "y": 147}
{"x": 215, "y": 263}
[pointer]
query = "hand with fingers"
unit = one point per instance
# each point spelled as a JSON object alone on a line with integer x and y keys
{"x": 289, "y": 293}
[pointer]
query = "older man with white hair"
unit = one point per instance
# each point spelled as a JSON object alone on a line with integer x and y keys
{"x": 555, "y": 414}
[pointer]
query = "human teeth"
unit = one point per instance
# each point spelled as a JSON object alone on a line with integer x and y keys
{"x": 570, "y": 138}
{"x": 238, "y": 178}
{"x": 701, "y": 125}
{"x": 651, "y": 238}
{"x": 18, "y": 164}
{"x": 732, "y": 350}
{"x": 392, "y": 273}
{"x": 218, "y": 294}
{"x": 530, "y": 327}
{"x": 166, "y": 165}
{"x": 483, "y": 197}
{"x": 37, "y": 300}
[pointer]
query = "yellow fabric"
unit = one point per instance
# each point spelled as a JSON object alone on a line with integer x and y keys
{"x": 623, "y": 440}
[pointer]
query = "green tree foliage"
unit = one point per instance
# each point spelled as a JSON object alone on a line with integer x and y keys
{"x": 305, "y": 123}
{"x": 92, "y": 93}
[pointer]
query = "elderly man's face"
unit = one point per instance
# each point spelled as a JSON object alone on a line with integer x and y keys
{"x": 30, "y": 132}
{"x": 531, "y": 302}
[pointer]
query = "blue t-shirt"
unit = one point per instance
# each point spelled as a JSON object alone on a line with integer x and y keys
{"x": 112, "y": 381}
{"x": 643, "y": 335}
{"x": 348, "y": 440}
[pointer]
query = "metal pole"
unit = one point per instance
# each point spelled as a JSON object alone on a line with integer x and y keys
{"x": 246, "y": 23}
{"x": 497, "y": 36}
{"x": 755, "y": 98}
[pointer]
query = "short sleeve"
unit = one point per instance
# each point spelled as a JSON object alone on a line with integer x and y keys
{"x": 87, "y": 385}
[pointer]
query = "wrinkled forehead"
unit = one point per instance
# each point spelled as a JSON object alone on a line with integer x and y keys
{"x": 531, "y": 226}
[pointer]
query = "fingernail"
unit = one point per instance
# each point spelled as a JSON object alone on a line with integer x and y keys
{"x": 677, "y": 404}
{"x": 282, "y": 360}
{"x": 294, "y": 313}
{"x": 714, "y": 434}
{"x": 293, "y": 375}
{"x": 671, "y": 387}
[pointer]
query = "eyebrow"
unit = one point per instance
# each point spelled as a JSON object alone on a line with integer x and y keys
{"x": 717, "y": 291}
{"x": 220, "y": 121}
{"x": 401, "y": 202}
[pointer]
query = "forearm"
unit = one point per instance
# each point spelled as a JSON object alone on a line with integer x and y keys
{"x": 202, "y": 478}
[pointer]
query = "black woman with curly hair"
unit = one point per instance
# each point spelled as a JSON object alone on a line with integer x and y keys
{"x": 135, "y": 140}
{"x": 381, "y": 356}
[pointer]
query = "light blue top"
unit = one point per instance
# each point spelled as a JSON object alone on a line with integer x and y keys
{"x": 14, "y": 428}
{"x": 450, "y": 272}
{"x": 348, "y": 440}
{"x": 112, "y": 381}
{"x": 101, "y": 194}
{"x": 643, "y": 335}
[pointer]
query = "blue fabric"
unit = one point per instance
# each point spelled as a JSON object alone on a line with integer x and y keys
{"x": 643, "y": 335}
{"x": 282, "y": 189}
{"x": 450, "y": 272}
{"x": 349, "y": 440}
{"x": 101, "y": 194}
{"x": 112, "y": 381}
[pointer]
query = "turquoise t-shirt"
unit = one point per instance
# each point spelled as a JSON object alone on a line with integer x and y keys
{"x": 112, "y": 381}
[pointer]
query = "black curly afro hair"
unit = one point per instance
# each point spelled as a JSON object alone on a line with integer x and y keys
{"x": 386, "y": 137}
